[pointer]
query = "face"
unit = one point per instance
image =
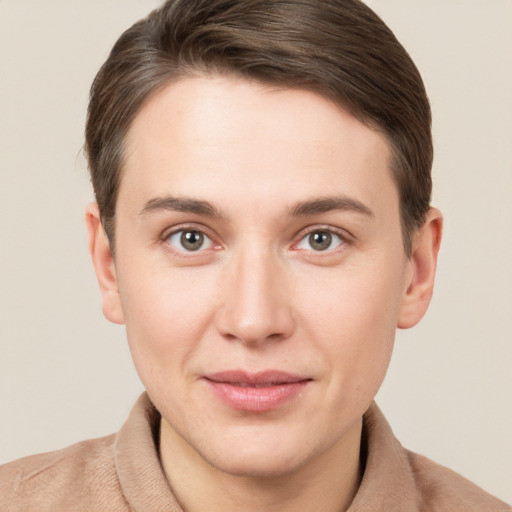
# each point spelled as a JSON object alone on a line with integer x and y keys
{"x": 259, "y": 269}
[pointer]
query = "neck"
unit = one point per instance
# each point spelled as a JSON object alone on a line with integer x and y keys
{"x": 327, "y": 483}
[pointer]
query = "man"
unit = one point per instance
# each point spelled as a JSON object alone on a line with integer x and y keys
{"x": 262, "y": 227}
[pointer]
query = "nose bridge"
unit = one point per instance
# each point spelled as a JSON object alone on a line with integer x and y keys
{"x": 255, "y": 306}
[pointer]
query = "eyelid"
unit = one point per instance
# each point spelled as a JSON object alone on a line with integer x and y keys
{"x": 344, "y": 235}
{"x": 206, "y": 241}
{"x": 169, "y": 232}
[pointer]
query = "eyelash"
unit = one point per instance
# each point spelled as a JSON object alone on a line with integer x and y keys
{"x": 167, "y": 235}
{"x": 343, "y": 238}
{"x": 332, "y": 234}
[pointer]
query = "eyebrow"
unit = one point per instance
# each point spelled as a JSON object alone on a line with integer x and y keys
{"x": 303, "y": 208}
{"x": 327, "y": 204}
{"x": 181, "y": 204}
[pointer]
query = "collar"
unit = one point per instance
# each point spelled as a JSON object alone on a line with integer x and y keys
{"x": 387, "y": 483}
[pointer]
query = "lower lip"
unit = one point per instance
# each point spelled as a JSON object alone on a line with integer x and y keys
{"x": 253, "y": 399}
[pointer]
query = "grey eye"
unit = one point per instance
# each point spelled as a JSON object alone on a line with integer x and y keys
{"x": 189, "y": 240}
{"x": 320, "y": 241}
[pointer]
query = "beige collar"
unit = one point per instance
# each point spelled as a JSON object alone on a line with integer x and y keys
{"x": 387, "y": 484}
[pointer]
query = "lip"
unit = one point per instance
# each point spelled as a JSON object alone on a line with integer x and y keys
{"x": 256, "y": 392}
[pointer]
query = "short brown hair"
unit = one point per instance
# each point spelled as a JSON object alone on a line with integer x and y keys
{"x": 338, "y": 48}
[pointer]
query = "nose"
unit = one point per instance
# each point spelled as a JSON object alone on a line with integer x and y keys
{"x": 256, "y": 304}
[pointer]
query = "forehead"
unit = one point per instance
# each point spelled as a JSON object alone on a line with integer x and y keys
{"x": 229, "y": 136}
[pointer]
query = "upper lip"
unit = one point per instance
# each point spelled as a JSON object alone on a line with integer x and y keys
{"x": 261, "y": 378}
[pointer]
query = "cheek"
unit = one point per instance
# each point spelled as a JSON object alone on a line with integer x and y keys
{"x": 354, "y": 300}
{"x": 166, "y": 316}
{"x": 353, "y": 318}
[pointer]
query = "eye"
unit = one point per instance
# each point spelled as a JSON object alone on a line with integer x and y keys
{"x": 320, "y": 240}
{"x": 190, "y": 240}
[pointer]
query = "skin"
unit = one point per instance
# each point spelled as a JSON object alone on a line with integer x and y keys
{"x": 258, "y": 294}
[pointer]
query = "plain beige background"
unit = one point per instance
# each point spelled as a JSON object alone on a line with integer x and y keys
{"x": 66, "y": 374}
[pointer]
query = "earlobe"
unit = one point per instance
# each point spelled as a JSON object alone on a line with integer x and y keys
{"x": 423, "y": 262}
{"x": 103, "y": 261}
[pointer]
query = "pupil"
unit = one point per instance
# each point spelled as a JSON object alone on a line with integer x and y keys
{"x": 320, "y": 240}
{"x": 192, "y": 240}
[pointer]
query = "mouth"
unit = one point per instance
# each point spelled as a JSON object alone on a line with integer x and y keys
{"x": 256, "y": 392}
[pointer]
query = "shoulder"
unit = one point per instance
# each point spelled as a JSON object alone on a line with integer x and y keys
{"x": 397, "y": 479}
{"x": 440, "y": 488}
{"x": 81, "y": 476}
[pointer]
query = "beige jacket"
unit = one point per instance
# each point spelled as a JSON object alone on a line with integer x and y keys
{"x": 122, "y": 472}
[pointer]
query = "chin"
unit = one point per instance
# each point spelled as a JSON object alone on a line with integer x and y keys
{"x": 259, "y": 453}
{"x": 259, "y": 465}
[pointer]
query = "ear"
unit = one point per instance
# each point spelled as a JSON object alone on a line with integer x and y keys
{"x": 104, "y": 266}
{"x": 423, "y": 262}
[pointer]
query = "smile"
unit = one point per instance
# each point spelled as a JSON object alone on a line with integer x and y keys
{"x": 256, "y": 392}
